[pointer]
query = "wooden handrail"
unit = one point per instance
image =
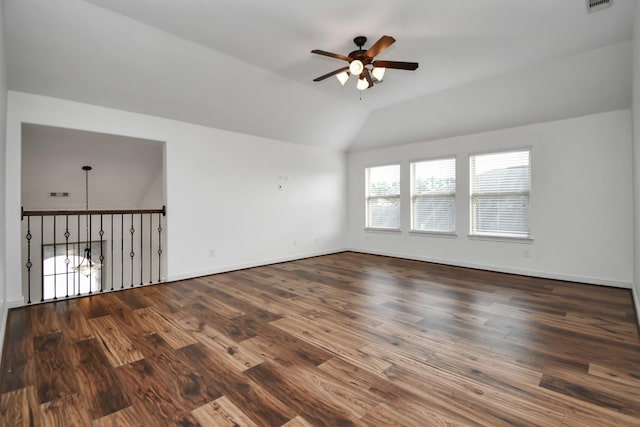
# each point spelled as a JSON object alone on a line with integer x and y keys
{"x": 162, "y": 211}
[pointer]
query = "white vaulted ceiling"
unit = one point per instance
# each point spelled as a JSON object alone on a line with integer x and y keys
{"x": 246, "y": 65}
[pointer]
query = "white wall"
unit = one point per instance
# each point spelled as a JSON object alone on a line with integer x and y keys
{"x": 636, "y": 159}
{"x": 225, "y": 207}
{"x": 127, "y": 172}
{"x": 581, "y": 176}
{"x": 3, "y": 109}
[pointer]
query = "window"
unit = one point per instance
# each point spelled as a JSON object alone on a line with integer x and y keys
{"x": 383, "y": 197}
{"x": 433, "y": 195}
{"x": 59, "y": 273}
{"x": 500, "y": 184}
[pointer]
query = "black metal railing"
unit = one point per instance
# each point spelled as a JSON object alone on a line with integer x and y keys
{"x": 73, "y": 253}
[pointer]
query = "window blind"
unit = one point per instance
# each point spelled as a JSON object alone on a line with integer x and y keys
{"x": 383, "y": 196}
{"x": 433, "y": 195}
{"x": 500, "y": 186}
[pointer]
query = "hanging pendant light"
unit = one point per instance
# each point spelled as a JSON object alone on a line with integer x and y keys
{"x": 86, "y": 266}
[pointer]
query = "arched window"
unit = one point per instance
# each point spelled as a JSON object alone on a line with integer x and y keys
{"x": 60, "y": 273}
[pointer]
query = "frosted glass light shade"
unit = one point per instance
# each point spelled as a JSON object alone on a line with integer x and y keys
{"x": 362, "y": 84}
{"x": 87, "y": 268}
{"x": 356, "y": 67}
{"x": 342, "y": 77}
{"x": 378, "y": 73}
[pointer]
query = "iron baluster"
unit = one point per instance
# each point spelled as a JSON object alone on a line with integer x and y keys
{"x": 150, "y": 248}
{"x": 141, "y": 254}
{"x": 66, "y": 257}
{"x": 77, "y": 256}
{"x": 159, "y": 246}
{"x": 29, "y": 264}
{"x": 111, "y": 252}
{"x": 101, "y": 233}
{"x": 42, "y": 257}
{"x": 55, "y": 264}
{"x": 132, "y": 254}
{"x": 89, "y": 219}
{"x": 122, "y": 251}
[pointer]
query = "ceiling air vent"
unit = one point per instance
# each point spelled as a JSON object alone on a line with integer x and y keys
{"x": 596, "y": 5}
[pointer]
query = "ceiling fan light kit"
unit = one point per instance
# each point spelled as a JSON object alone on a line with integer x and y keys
{"x": 378, "y": 73}
{"x": 343, "y": 77}
{"x": 362, "y": 84}
{"x": 362, "y": 65}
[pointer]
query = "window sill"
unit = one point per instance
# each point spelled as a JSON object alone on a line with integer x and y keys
{"x": 506, "y": 239}
{"x": 382, "y": 230}
{"x": 445, "y": 234}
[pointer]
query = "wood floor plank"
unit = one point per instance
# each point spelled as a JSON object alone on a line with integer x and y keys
{"x": 256, "y": 402}
{"x": 100, "y": 385}
{"x": 155, "y": 400}
{"x": 383, "y": 415}
{"x": 169, "y": 330}
{"x": 297, "y": 422}
{"x": 16, "y": 409}
{"x": 236, "y": 354}
{"x": 596, "y": 390}
{"x": 151, "y": 345}
{"x": 191, "y": 389}
{"x": 342, "y": 339}
{"x": 223, "y": 413}
{"x": 54, "y": 370}
{"x": 118, "y": 348}
{"x": 18, "y": 368}
{"x": 94, "y": 306}
{"x": 128, "y": 417}
{"x": 72, "y": 321}
{"x": 65, "y": 411}
{"x": 275, "y": 344}
{"x": 336, "y": 391}
{"x": 311, "y": 406}
{"x": 341, "y": 346}
{"x": 615, "y": 374}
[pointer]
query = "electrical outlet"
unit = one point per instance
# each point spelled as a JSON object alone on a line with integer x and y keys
{"x": 212, "y": 253}
{"x": 526, "y": 253}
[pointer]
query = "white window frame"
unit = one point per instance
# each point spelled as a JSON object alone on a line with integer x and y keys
{"x": 434, "y": 195}
{"x": 506, "y": 235}
{"x": 393, "y": 196}
{"x": 60, "y": 279}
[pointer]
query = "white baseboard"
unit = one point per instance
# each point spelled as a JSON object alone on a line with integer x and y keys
{"x": 15, "y": 303}
{"x": 521, "y": 272}
{"x": 235, "y": 267}
{"x": 3, "y": 326}
{"x": 636, "y": 300}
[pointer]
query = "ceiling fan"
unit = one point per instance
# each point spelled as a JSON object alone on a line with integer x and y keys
{"x": 361, "y": 63}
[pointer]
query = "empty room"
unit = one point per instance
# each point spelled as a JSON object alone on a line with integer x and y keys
{"x": 337, "y": 213}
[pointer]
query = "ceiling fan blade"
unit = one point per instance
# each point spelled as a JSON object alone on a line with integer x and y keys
{"x": 331, "y": 55}
{"x": 398, "y": 65}
{"x": 367, "y": 75}
{"x": 380, "y": 46}
{"x": 333, "y": 73}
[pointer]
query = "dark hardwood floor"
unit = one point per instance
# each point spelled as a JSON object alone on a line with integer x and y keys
{"x": 338, "y": 340}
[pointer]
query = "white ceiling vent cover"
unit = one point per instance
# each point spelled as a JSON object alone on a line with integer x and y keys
{"x": 596, "y": 5}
